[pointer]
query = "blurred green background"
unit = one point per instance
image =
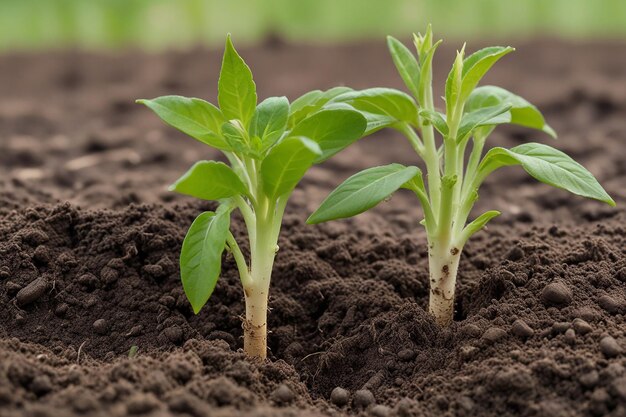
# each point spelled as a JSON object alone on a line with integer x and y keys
{"x": 159, "y": 24}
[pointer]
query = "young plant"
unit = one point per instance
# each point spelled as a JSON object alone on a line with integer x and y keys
{"x": 269, "y": 148}
{"x": 471, "y": 114}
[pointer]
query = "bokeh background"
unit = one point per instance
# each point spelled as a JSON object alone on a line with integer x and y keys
{"x": 166, "y": 24}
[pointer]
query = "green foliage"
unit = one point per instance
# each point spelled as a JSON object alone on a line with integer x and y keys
{"x": 287, "y": 163}
{"x": 522, "y": 112}
{"x": 406, "y": 64}
{"x": 236, "y": 91}
{"x": 382, "y": 107}
{"x": 332, "y": 128}
{"x": 192, "y": 116}
{"x": 549, "y": 166}
{"x": 269, "y": 146}
{"x": 270, "y": 120}
{"x": 363, "y": 191}
{"x": 471, "y": 115}
{"x": 210, "y": 180}
{"x": 201, "y": 255}
{"x": 471, "y": 112}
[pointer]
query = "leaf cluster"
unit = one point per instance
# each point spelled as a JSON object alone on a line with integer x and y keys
{"x": 269, "y": 147}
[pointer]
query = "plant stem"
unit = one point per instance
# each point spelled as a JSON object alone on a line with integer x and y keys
{"x": 443, "y": 253}
{"x": 242, "y": 266}
{"x": 443, "y": 263}
{"x": 256, "y": 292}
{"x": 430, "y": 146}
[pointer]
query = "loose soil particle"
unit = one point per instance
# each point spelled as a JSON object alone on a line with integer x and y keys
{"x": 89, "y": 241}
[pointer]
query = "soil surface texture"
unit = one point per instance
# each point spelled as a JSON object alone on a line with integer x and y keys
{"x": 94, "y": 322}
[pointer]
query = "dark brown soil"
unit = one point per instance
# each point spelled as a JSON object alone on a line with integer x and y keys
{"x": 89, "y": 242}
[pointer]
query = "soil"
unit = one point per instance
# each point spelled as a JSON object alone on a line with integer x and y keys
{"x": 94, "y": 321}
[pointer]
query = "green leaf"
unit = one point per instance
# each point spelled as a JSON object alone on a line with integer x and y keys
{"x": 426, "y": 72}
{"x": 478, "y": 224}
{"x": 286, "y": 163}
{"x": 363, "y": 191}
{"x": 195, "y": 117}
{"x": 201, "y": 256}
{"x": 237, "y": 138}
{"x": 423, "y": 42}
{"x": 210, "y": 180}
{"x": 305, "y": 99}
{"x": 476, "y": 66}
{"x": 270, "y": 120}
{"x": 437, "y": 119}
{"x": 485, "y": 116}
{"x": 311, "y": 102}
{"x": 522, "y": 112}
{"x": 454, "y": 83}
{"x": 406, "y": 64}
{"x": 333, "y": 129}
{"x": 549, "y": 166}
{"x": 236, "y": 91}
{"x": 387, "y": 106}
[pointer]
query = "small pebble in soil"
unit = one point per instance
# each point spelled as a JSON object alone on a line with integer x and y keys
{"x": 12, "y": 287}
{"x": 471, "y": 330}
{"x": 380, "y": 410}
{"x": 590, "y": 379}
{"x": 41, "y": 385}
{"x": 618, "y": 388}
{"x": 168, "y": 301}
{"x": 88, "y": 281}
{"x": 34, "y": 237}
{"x": 493, "y": 334}
{"x": 609, "y": 347}
{"x": 612, "y": 371}
{"x": 406, "y": 355}
{"x": 442, "y": 402}
{"x": 154, "y": 270}
{"x": 599, "y": 398}
{"x": 5, "y": 272}
{"x": 609, "y": 304}
{"x": 468, "y": 351}
{"x": 570, "y": 336}
{"x": 90, "y": 302}
{"x": 404, "y": 407}
{"x": 101, "y": 326}
{"x": 174, "y": 334}
{"x": 61, "y": 310}
{"x": 283, "y": 394}
{"x": 363, "y": 398}
{"x": 339, "y": 396}
{"x": 521, "y": 329}
{"x": 581, "y": 326}
{"x": 32, "y": 292}
{"x": 465, "y": 404}
{"x": 588, "y": 314}
{"x": 560, "y": 327}
{"x": 84, "y": 403}
{"x": 42, "y": 256}
{"x": 108, "y": 275}
{"x": 141, "y": 404}
{"x": 515, "y": 254}
{"x": 556, "y": 293}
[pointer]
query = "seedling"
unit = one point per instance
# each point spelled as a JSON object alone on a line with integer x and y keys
{"x": 471, "y": 114}
{"x": 269, "y": 147}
